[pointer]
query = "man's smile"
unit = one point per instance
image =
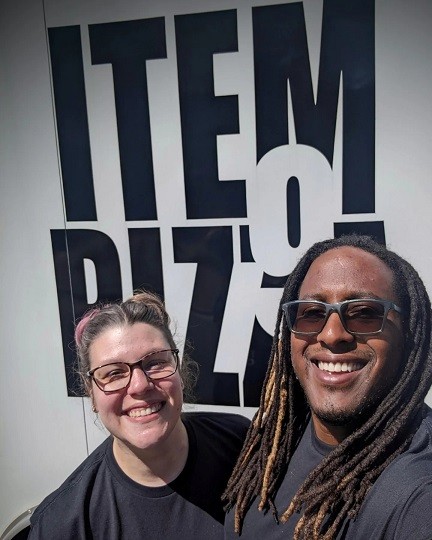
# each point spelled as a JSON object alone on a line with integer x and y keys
{"x": 339, "y": 367}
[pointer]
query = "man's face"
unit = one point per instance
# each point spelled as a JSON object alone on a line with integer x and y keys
{"x": 338, "y": 398}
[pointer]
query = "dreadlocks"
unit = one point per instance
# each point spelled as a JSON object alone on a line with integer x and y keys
{"x": 336, "y": 488}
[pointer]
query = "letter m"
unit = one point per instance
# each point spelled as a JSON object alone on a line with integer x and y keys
{"x": 347, "y": 54}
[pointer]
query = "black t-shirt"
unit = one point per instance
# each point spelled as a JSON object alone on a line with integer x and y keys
{"x": 399, "y": 505}
{"x": 257, "y": 524}
{"x": 98, "y": 501}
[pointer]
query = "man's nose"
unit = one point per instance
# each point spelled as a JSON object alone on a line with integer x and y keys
{"x": 333, "y": 331}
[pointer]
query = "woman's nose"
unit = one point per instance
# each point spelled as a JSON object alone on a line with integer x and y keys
{"x": 139, "y": 380}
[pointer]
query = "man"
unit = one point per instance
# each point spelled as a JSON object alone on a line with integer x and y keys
{"x": 341, "y": 446}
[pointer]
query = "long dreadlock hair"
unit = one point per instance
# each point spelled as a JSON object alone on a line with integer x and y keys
{"x": 336, "y": 488}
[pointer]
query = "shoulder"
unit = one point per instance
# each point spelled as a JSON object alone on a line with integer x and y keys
{"x": 414, "y": 466}
{"x": 69, "y": 498}
{"x": 425, "y": 429}
{"x": 210, "y": 432}
{"x": 215, "y": 441}
{"x": 399, "y": 503}
{"x": 214, "y": 421}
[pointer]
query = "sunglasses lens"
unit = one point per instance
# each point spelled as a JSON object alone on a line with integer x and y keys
{"x": 306, "y": 317}
{"x": 364, "y": 316}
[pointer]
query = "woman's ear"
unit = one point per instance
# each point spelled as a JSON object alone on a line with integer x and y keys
{"x": 90, "y": 395}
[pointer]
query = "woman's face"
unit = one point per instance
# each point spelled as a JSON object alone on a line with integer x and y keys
{"x": 145, "y": 415}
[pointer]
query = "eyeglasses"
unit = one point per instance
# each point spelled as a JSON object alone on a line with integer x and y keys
{"x": 359, "y": 316}
{"x": 116, "y": 376}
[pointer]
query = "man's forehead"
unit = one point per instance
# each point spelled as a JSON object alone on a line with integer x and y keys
{"x": 349, "y": 272}
{"x": 349, "y": 258}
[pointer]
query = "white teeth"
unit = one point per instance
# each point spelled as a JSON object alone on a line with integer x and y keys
{"x": 338, "y": 367}
{"x": 135, "y": 413}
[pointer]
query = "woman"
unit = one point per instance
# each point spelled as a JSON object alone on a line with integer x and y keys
{"x": 160, "y": 474}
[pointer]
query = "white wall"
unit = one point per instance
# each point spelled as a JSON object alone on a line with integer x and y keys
{"x": 43, "y": 432}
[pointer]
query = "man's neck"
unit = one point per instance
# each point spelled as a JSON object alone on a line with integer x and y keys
{"x": 330, "y": 434}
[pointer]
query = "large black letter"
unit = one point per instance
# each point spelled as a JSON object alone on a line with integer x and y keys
{"x": 256, "y": 366}
{"x": 146, "y": 260}
{"x": 70, "y": 248}
{"x": 212, "y": 249}
{"x": 127, "y": 46}
{"x": 347, "y": 48}
{"x": 203, "y": 116}
{"x": 72, "y": 124}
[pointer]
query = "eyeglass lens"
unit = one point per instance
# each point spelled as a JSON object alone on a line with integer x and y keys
{"x": 158, "y": 365}
{"x": 359, "y": 316}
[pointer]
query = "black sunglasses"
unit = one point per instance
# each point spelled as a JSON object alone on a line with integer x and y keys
{"x": 360, "y": 316}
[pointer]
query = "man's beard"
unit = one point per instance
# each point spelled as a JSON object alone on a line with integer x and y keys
{"x": 352, "y": 418}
